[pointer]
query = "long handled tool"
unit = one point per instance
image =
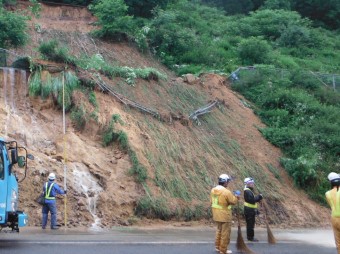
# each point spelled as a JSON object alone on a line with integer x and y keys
{"x": 65, "y": 157}
{"x": 240, "y": 245}
{"x": 271, "y": 238}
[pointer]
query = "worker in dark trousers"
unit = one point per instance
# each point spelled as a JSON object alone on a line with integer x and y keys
{"x": 250, "y": 207}
{"x": 51, "y": 189}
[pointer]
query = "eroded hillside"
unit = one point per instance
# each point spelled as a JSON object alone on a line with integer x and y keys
{"x": 182, "y": 159}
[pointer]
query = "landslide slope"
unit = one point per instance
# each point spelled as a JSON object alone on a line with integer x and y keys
{"x": 182, "y": 159}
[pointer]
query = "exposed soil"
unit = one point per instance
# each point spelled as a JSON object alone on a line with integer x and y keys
{"x": 38, "y": 125}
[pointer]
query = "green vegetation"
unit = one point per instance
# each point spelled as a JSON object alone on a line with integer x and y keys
{"x": 13, "y": 29}
{"x": 304, "y": 127}
{"x": 322, "y": 12}
{"x": 301, "y": 113}
{"x": 112, "y": 18}
{"x": 50, "y": 50}
{"x": 110, "y": 135}
{"x": 78, "y": 116}
{"x": 53, "y": 86}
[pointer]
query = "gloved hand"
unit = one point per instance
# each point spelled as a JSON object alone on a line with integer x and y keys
{"x": 237, "y": 193}
{"x": 261, "y": 196}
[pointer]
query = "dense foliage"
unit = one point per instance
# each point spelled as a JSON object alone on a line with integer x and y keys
{"x": 71, "y": 2}
{"x": 113, "y": 19}
{"x": 302, "y": 115}
{"x": 13, "y": 29}
{"x": 301, "y": 121}
{"x": 144, "y": 8}
{"x": 323, "y": 12}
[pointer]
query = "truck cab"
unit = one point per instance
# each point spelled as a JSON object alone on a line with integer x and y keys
{"x": 10, "y": 156}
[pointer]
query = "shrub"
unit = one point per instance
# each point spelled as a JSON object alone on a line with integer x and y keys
{"x": 79, "y": 116}
{"x": 144, "y": 8}
{"x": 276, "y": 5}
{"x": 270, "y": 23}
{"x": 153, "y": 208}
{"x": 305, "y": 80}
{"x": 35, "y": 84}
{"x": 295, "y": 36}
{"x": 22, "y": 63}
{"x": 50, "y": 50}
{"x": 254, "y": 51}
{"x": 302, "y": 169}
{"x": 92, "y": 99}
{"x": 110, "y": 135}
{"x": 137, "y": 169}
{"x": 13, "y": 29}
{"x": 112, "y": 18}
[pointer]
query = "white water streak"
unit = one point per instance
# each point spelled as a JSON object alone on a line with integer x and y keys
{"x": 87, "y": 184}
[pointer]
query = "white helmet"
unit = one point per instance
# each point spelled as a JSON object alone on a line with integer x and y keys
{"x": 249, "y": 180}
{"x": 51, "y": 176}
{"x": 223, "y": 178}
{"x": 333, "y": 177}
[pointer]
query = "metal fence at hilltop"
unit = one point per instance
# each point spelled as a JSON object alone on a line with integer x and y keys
{"x": 330, "y": 80}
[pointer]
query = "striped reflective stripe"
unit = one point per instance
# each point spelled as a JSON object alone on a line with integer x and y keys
{"x": 248, "y": 204}
{"x": 335, "y": 207}
{"x": 216, "y": 205}
{"x": 48, "y": 191}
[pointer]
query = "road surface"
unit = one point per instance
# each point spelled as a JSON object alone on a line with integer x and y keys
{"x": 166, "y": 240}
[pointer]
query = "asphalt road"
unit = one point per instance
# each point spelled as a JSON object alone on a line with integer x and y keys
{"x": 162, "y": 240}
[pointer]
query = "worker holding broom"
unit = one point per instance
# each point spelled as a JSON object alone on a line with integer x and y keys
{"x": 221, "y": 200}
{"x": 333, "y": 199}
{"x": 250, "y": 207}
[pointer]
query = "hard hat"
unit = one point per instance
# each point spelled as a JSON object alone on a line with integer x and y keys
{"x": 223, "y": 178}
{"x": 51, "y": 176}
{"x": 334, "y": 177}
{"x": 249, "y": 180}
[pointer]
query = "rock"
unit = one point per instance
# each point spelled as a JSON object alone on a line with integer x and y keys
{"x": 81, "y": 202}
{"x": 190, "y": 79}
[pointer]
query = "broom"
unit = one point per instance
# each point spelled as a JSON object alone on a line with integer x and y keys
{"x": 240, "y": 245}
{"x": 271, "y": 238}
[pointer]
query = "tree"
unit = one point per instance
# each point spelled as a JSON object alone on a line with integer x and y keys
{"x": 270, "y": 23}
{"x": 233, "y": 7}
{"x": 254, "y": 50}
{"x": 143, "y": 8}
{"x": 276, "y": 5}
{"x": 113, "y": 19}
{"x": 323, "y": 12}
{"x": 13, "y": 29}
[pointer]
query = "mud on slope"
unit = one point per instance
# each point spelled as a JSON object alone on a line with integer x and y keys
{"x": 38, "y": 125}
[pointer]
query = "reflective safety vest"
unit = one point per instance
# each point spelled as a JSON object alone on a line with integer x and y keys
{"x": 48, "y": 191}
{"x": 335, "y": 207}
{"x": 214, "y": 203}
{"x": 248, "y": 204}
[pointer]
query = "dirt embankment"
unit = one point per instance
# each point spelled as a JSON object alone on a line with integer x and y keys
{"x": 101, "y": 190}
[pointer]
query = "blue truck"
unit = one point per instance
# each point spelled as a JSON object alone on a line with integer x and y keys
{"x": 10, "y": 156}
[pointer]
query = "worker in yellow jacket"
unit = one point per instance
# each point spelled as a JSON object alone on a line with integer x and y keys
{"x": 333, "y": 199}
{"x": 221, "y": 200}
